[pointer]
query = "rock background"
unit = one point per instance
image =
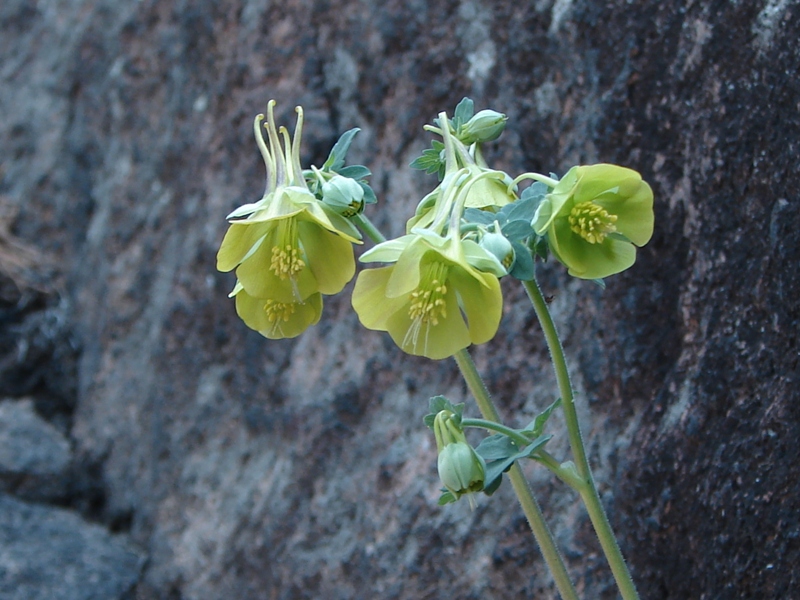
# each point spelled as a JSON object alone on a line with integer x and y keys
{"x": 212, "y": 463}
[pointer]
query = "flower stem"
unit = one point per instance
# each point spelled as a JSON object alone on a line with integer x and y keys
{"x": 524, "y": 494}
{"x": 367, "y": 227}
{"x": 588, "y": 490}
{"x": 512, "y": 434}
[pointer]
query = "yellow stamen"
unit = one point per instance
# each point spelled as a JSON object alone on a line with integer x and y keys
{"x": 592, "y": 222}
{"x": 279, "y": 311}
{"x": 427, "y": 304}
{"x": 287, "y": 258}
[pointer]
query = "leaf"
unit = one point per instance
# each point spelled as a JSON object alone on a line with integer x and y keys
{"x": 431, "y": 160}
{"x": 540, "y": 248}
{"x": 524, "y": 268}
{"x": 523, "y": 209}
{"x": 339, "y": 151}
{"x": 463, "y": 112}
{"x": 476, "y": 215}
{"x": 534, "y": 430}
{"x": 439, "y": 403}
{"x": 495, "y": 469}
{"x": 515, "y": 231}
{"x": 496, "y": 447}
{"x": 537, "y": 190}
{"x": 355, "y": 172}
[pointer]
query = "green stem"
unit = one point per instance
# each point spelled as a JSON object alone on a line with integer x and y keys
{"x": 588, "y": 490}
{"x": 548, "y": 181}
{"x": 367, "y": 227}
{"x": 513, "y": 434}
{"x": 524, "y": 494}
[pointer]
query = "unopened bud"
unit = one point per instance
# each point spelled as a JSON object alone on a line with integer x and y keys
{"x": 486, "y": 126}
{"x": 344, "y": 195}
{"x": 499, "y": 246}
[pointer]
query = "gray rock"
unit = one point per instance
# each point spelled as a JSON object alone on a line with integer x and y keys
{"x": 34, "y": 456}
{"x": 299, "y": 469}
{"x": 52, "y": 554}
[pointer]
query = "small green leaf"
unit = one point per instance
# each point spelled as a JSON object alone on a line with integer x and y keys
{"x": 439, "y": 403}
{"x": 600, "y": 283}
{"x": 524, "y": 268}
{"x": 495, "y": 469}
{"x": 540, "y": 248}
{"x": 536, "y": 427}
{"x": 515, "y": 231}
{"x": 496, "y": 447}
{"x": 355, "y": 172}
{"x": 339, "y": 151}
{"x": 476, "y": 215}
{"x": 463, "y": 112}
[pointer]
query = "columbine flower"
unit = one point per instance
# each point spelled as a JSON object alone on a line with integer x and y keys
{"x": 594, "y": 216}
{"x": 287, "y": 247}
{"x": 433, "y": 300}
{"x": 275, "y": 319}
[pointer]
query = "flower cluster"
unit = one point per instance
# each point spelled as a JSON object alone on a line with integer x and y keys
{"x": 438, "y": 288}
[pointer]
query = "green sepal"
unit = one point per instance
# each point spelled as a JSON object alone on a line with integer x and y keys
{"x": 369, "y": 194}
{"x": 523, "y": 268}
{"x": 599, "y": 283}
{"x": 447, "y": 497}
{"x": 338, "y": 153}
{"x": 536, "y": 427}
{"x": 439, "y": 403}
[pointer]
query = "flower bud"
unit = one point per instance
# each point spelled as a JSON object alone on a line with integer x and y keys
{"x": 344, "y": 195}
{"x": 461, "y": 470}
{"x": 499, "y": 246}
{"x": 486, "y": 126}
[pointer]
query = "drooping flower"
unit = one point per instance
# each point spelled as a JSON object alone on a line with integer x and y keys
{"x": 437, "y": 297}
{"x": 287, "y": 247}
{"x": 595, "y": 217}
{"x": 275, "y": 319}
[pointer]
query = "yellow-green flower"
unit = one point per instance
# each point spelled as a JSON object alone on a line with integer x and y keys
{"x": 595, "y": 217}
{"x": 275, "y": 319}
{"x": 288, "y": 246}
{"x": 432, "y": 300}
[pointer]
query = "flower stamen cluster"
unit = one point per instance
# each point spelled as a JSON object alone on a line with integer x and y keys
{"x": 592, "y": 222}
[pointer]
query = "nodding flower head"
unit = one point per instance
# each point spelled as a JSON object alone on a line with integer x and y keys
{"x": 288, "y": 247}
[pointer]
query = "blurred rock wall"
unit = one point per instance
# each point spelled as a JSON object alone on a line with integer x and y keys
{"x": 155, "y": 447}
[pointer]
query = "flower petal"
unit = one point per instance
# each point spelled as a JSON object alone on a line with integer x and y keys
{"x": 589, "y": 261}
{"x": 369, "y": 298}
{"x": 238, "y": 241}
{"x": 425, "y": 339}
{"x": 330, "y": 257}
{"x": 482, "y": 302}
{"x": 260, "y": 281}
{"x": 303, "y": 314}
{"x": 634, "y": 212}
